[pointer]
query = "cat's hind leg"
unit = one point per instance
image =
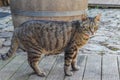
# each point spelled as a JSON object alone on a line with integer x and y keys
{"x": 33, "y": 60}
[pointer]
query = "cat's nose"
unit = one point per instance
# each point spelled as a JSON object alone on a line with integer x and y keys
{"x": 92, "y": 32}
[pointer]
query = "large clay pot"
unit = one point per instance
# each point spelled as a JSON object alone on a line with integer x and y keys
{"x": 66, "y": 10}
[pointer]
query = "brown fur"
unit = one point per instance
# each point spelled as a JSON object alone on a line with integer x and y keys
{"x": 39, "y": 37}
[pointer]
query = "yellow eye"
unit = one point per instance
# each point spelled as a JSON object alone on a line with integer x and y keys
{"x": 96, "y": 28}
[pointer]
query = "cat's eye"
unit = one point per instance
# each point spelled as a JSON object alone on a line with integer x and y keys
{"x": 95, "y": 28}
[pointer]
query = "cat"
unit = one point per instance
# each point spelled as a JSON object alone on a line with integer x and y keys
{"x": 38, "y": 37}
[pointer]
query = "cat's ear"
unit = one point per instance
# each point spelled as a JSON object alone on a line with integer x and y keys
{"x": 97, "y": 18}
{"x": 83, "y": 17}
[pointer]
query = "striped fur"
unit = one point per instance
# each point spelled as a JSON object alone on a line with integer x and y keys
{"x": 39, "y": 37}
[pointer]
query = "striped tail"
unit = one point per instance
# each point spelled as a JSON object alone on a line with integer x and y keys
{"x": 12, "y": 50}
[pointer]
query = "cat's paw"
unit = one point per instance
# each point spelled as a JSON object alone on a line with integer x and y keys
{"x": 42, "y": 74}
{"x": 76, "y": 68}
{"x": 68, "y": 73}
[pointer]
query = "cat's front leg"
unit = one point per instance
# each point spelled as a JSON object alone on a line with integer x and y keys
{"x": 74, "y": 65}
{"x": 67, "y": 64}
{"x": 69, "y": 55}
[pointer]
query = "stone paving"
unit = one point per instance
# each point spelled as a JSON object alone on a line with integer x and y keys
{"x": 106, "y": 40}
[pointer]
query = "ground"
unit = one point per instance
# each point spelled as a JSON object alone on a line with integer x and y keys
{"x": 98, "y": 60}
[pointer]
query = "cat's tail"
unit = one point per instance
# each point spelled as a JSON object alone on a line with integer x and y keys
{"x": 12, "y": 50}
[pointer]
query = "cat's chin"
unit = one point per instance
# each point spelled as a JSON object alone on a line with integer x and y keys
{"x": 92, "y": 36}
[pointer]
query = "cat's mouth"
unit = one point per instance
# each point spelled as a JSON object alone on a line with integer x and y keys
{"x": 90, "y": 34}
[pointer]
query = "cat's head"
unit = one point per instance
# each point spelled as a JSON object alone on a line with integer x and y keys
{"x": 90, "y": 24}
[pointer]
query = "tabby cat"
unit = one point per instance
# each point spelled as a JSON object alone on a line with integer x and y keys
{"x": 39, "y": 37}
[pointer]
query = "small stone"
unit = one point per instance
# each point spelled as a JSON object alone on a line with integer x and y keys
{"x": 6, "y": 34}
{"x": 94, "y": 47}
{"x": 9, "y": 28}
{"x": 5, "y": 20}
{"x": 4, "y": 50}
{"x": 2, "y": 26}
{"x": 99, "y": 38}
{"x": 1, "y": 41}
{"x": 113, "y": 47}
{"x": 118, "y": 52}
{"x": 7, "y": 43}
